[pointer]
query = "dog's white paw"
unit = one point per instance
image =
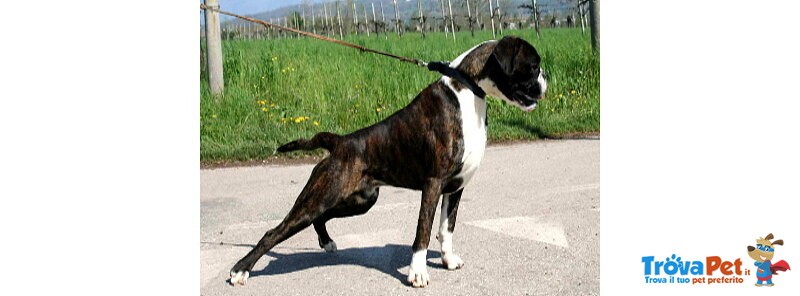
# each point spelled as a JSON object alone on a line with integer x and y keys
{"x": 239, "y": 278}
{"x": 418, "y": 278}
{"x": 330, "y": 247}
{"x": 452, "y": 261}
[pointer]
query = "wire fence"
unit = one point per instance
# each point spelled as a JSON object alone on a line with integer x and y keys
{"x": 338, "y": 19}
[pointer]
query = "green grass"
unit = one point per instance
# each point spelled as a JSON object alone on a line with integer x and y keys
{"x": 280, "y": 90}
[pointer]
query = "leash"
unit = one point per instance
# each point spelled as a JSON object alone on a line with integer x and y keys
{"x": 441, "y": 67}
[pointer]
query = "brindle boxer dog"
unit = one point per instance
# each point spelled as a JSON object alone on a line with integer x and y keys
{"x": 434, "y": 144}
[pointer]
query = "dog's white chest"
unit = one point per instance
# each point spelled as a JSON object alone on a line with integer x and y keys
{"x": 473, "y": 128}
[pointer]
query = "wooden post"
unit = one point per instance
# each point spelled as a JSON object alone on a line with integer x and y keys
{"x": 383, "y": 19}
{"x": 374, "y": 19}
{"x": 355, "y": 19}
{"x": 499, "y": 16}
{"x": 536, "y": 18}
{"x": 452, "y": 22}
{"x": 366, "y": 19}
{"x": 313, "y": 19}
{"x": 214, "y": 49}
{"x": 339, "y": 17}
{"x": 491, "y": 16}
{"x": 444, "y": 19}
{"x": 421, "y": 18}
{"x": 396, "y": 18}
{"x": 478, "y": 16}
{"x": 583, "y": 18}
{"x": 594, "y": 11}
{"x": 470, "y": 21}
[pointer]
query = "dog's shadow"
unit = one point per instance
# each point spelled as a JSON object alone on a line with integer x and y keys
{"x": 388, "y": 259}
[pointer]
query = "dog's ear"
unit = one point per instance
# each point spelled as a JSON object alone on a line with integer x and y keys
{"x": 778, "y": 242}
{"x": 515, "y": 55}
{"x": 769, "y": 237}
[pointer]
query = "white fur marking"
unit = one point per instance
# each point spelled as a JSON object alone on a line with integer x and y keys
{"x": 418, "y": 271}
{"x": 473, "y": 128}
{"x": 542, "y": 81}
{"x": 239, "y": 278}
{"x": 450, "y": 260}
{"x": 330, "y": 247}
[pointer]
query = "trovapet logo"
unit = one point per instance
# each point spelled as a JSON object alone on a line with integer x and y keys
{"x": 716, "y": 270}
{"x": 675, "y": 270}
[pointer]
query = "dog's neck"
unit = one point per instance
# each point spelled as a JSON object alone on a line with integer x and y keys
{"x": 457, "y": 75}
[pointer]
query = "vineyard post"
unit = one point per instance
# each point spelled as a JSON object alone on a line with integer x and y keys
{"x": 366, "y": 19}
{"x": 470, "y": 20}
{"x": 491, "y": 16}
{"x": 594, "y": 10}
{"x": 355, "y": 19}
{"x": 339, "y": 21}
{"x": 444, "y": 19}
{"x": 452, "y": 22}
{"x": 214, "y": 49}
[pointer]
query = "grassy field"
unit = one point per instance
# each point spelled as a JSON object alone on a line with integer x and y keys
{"x": 281, "y": 90}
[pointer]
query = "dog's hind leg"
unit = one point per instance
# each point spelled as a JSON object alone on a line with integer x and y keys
{"x": 323, "y": 191}
{"x": 356, "y": 204}
{"x": 446, "y": 226}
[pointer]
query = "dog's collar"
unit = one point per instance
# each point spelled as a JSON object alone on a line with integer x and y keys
{"x": 446, "y": 70}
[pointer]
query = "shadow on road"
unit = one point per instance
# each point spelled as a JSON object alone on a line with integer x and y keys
{"x": 388, "y": 259}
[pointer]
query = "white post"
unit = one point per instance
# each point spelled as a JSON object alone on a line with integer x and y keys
{"x": 491, "y": 16}
{"x": 421, "y": 19}
{"x": 374, "y": 19}
{"x": 470, "y": 20}
{"x": 313, "y": 19}
{"x": 396, "y": 18}
{"x": 355, "y": 19}
{"x": 583, "y": 19}
{"x": 499, "y": 16}
{"x": 366, "y": 19}
{"x": 383, "y": 19}
{"x": 214, "y": 49}
{"x": 444, "y": 19}
{"x": 452, "y": 22}
{"x": 339, "y": 17}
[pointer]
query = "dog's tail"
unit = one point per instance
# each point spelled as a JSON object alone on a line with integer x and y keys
{"x": 324, "y": 140}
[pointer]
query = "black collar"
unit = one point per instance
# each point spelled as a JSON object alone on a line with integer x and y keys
{"x": 446, "y": 70}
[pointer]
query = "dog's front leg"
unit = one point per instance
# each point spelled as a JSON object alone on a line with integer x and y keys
{"x": 448, "y": 214}
{"x": 418, "y": 271}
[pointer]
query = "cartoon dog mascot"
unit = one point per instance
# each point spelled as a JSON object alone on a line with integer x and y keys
{"x": 763, "y": 253}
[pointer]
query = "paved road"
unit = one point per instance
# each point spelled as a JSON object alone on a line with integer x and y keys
{"x": 528, "y": 224}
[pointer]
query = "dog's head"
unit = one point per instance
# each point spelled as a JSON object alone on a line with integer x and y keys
{"x": 765, "y": 249}
{"x": 508, "y": 69}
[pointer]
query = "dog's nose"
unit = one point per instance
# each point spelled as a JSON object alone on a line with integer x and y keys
{"x": 750, "y": 248}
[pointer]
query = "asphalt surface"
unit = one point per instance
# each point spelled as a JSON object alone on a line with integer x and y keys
{"x": 528, "y": 224}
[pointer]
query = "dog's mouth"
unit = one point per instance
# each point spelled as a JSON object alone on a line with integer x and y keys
{"x": 526, "y": 102}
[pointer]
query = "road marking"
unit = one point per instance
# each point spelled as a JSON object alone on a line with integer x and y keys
{"x": 526, "y": 228}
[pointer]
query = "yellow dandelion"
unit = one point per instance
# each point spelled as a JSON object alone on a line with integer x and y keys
{"x": 378, "y": 109}
{"x": 316, "y": 123}
{"x": 264, "y": 109}
{"x": 272, "y": 105}
{"x": 572, "y": 92}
